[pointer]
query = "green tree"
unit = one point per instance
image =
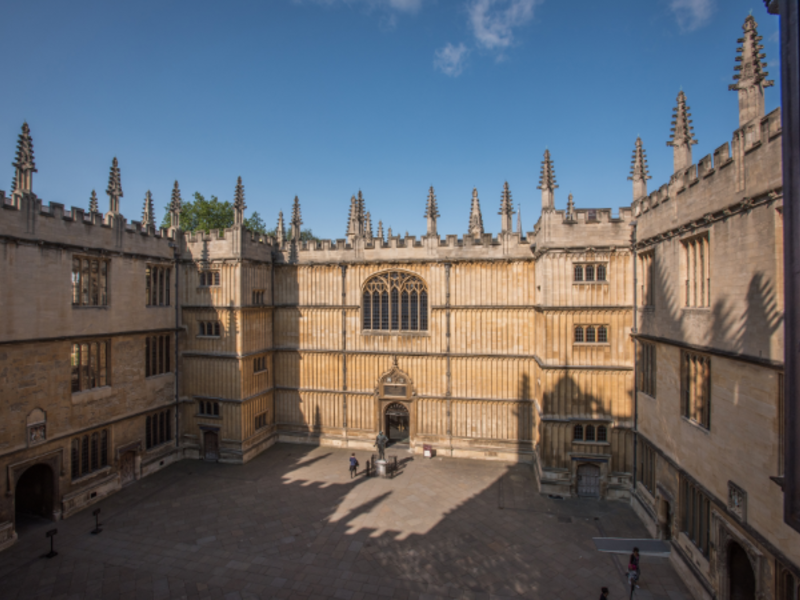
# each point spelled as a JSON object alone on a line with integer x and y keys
{"x": 255, "y": 223}
{"x": 305, "y": 235}
{"x": 203, "y": 215}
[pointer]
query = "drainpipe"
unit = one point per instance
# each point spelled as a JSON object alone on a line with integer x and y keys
{"x": 634, "y": 331}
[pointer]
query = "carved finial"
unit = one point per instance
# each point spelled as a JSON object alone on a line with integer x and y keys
{"x": 93, "y": 208}
{"x": 547, "y": 182}
{"x": 394, "y": 362}
{"x": 506, "y": 210}
{"x": 389, "y": 234}
{"x": 431, "y": 212}
{"x": 368, "y": 225}
{"x": 352, "y": 227}
{"x": 751, "y": 78}
{"x": 280, "y": 230}
{"x": 682, "y": 137}
{"x": 475, "y": 216}
{"x": 297, "y": 220}
{"x": 175, "y": 207}
{"x": 639, "y": 171}
{"x": 380, "y": 231}
{"x": 238, "y": 203}
{"x": 114, "y": 189}
{"x": 519, "y": 219}
{"x": 361, "y": 213}
{"x": 147, "y": 213}
{"x": 570, "y": 208}
{"x": 24, "y": 164}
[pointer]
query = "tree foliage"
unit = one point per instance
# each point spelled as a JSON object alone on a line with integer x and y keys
{"x": 205, "y": 215}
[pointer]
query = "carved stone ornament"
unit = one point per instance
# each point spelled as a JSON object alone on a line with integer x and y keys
{"x": 395, "y": 383}
{"x": 37, "y": 427}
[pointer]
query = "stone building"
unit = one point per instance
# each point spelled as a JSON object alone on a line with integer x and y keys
{"x": 124, "y": 347}
{"x": 710, "y": 352}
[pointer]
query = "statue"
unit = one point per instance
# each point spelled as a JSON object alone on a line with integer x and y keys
{"x": 380, "y": 442}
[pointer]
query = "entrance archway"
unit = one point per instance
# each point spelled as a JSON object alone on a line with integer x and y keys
{"x": 742, "y": 579}
{"x": 664, "y": 526}
{"x": 33, "y": 495}
{"x": 397, "y": 423}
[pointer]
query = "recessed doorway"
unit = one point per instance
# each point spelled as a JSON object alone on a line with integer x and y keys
{"x": 211, "y": 445}
{"x": 742, "y": 579}
{"x": 33, "y": 496}
{"x": 397, "y": 423}
{"x": 589, "y": 481}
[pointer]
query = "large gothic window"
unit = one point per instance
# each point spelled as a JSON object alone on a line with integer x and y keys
{"x": 395, "y": 301}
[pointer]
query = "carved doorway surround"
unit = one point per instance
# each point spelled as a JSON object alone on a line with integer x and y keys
{"x": 54, "y": 461}
{"x": 730, "y": 545}
{"x": 210, "y": 443}
{"x": 395, "y": 389}
{"x": 127, "y": 468}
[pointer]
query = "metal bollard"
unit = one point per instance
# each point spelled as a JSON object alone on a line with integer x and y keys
{"x": 51, "y": 534}
{"x": 96, "y": 515}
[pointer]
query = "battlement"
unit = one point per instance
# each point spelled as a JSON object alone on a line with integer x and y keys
{"x": 408, "y": 248}
{"x": 579, "y": 227}
{"x": 234, "y": 242}
{"x": 748, "y": 166}
{"x": 26, "y": 217}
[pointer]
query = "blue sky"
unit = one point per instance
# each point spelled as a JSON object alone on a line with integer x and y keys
{"x": 321, "y": 98}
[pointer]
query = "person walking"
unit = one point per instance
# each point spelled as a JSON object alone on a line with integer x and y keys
{"x": 604, "y": 593}
{"x": 633, "y": 568}
{"x": 353, "y": 465}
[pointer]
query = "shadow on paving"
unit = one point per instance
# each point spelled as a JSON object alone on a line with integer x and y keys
{"x": 291, "y": 524}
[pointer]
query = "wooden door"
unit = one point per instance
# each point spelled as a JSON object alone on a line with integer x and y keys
{"x": 211, "y": 445}
{"x": 127, "y": 468}
{"x": 589, "y": 481}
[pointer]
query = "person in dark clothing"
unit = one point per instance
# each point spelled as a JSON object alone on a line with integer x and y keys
{"x": 604, "y": 593}
{"x": 633, "y": 567}
{"x": 353, "y": 466}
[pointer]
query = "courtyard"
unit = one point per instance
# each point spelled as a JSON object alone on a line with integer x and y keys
{"x": 293, "y": 524}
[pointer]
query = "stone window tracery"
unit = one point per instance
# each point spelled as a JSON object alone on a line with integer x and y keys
{"x": 578, "y": 433}
{"x": 696, "y": 512}
{"x": 89, "y": 362}
{"x": 157, "y": 355}
{"x": 89, "y": 281}
{"x": 590, "y": 334}
{"x": 696, "y": 388}
{"x": 89, "y": 453}
{"x": 158, "y": 429}
{"x": 209, "y": 278}
{"x": 395, "y": 301}
{"x": 590, "y": 273}
{"x": 157, "y": 286}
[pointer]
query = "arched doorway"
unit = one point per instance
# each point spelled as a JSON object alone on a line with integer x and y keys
{"x": 589, "y": 480}
{"x": 742, "y": 579}
{"x": 33, "y": 495}
{"x": 664, "y": 526}
{"x": 397, "y": 423}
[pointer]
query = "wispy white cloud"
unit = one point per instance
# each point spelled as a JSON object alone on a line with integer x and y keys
{"x": 450, "y": 59}
{"x": 691, "y": 14}
{"x": 494, "y": 21}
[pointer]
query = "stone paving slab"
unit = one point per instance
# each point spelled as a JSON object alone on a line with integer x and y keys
{"x": 293, "y": 524}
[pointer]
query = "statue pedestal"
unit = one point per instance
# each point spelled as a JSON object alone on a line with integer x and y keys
{"x": 380, "y": 466}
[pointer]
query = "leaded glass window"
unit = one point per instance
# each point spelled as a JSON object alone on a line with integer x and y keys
{"x": 395, "y": 301}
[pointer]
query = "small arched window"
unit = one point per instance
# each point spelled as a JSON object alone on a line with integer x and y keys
{"x": 590, "y": 334}
{"x": 216, "y": 328}
{"x": 601, "y": 272}
{"x": 590, "y": 433}
{"x": 395, "y": 301}
{"x": 578, "y": 433}
{"x": 216, "y": 409}
{"x": 589, "y": 272}
{"x": 202, "y": 328}
{"x": 602, "y": 334}
{"x": 602, "y": 434}
{"x": 578, "y": 272}
{"x": 578, "y": 335}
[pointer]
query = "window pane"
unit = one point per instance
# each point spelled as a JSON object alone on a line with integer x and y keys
{"x": 95, "y": 452}
{"x": 147, "y": 433}
{"x": 167, "y": 353}
{"x": 367, "y": 312}
{"x": 84, "y": 366}
{"x": 94, "y": 299}
{"x": 162, "y": 427}
{"x": 395, "y": 311}
{"x": 578, "y": 273}
{"x": 147, "y": 372}
{"x": 85, "y": 278}
{"x": 590, "y": 334}
{"x": 75, "y": 361}
{"x": 413, "y": 325}
{"x": 404, "y": 311}
{"x": 76, "y": 454}
{"x": 160, "y": 339}
{"x": 216, "y": 277}
{"x": 93, "y": 365}
{"x": 104, "y": 448}
{"x": 147, "y": 284}
{"x": 578, "y": 432}
{"x": 579, "y": 334}
{"x": 104, "y": 283}
{"x": 601, "y": 273}
{"x": 376, "y": 313}
{"x": 169, "y": 426}
{"x": 589, "y": 273}
{"x": 602, "y": 335}
{"x": 161, "y": 287}
{"x": 423, "y": 310}
{"x": 384, "y": 311}
{"x": 590, "y": 433}
{"x": 85, "y": 455}
{"x": 601, "y": 433}
{"x": 216, "y": 328}
{"x": 76, "y": 281}
{"x": 166, "y": 289}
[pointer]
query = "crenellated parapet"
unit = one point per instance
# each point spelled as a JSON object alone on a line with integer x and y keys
{"x": 409, "y": 248}
{"x": 235, "y": 243}
{"x": 29, "y": 220}
{"x": 582, "y": 227}
{"x": 747, "y": 168}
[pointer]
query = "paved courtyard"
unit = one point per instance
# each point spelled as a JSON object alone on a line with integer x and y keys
{"x": 292, "y": 524}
